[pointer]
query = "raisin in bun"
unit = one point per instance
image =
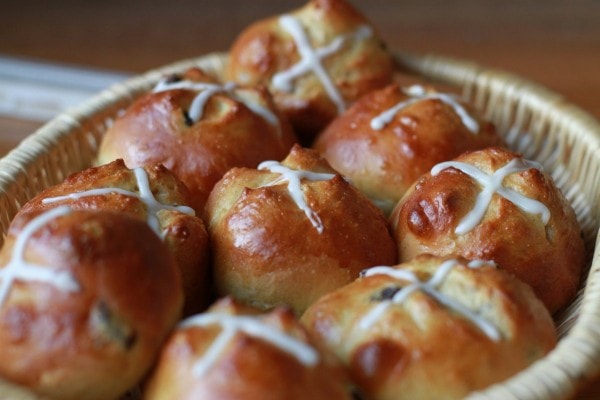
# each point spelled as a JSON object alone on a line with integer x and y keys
{"x": 391, "y": 136}
{"x": 289, "y": 232}
{"x": 315, "y": 60}
{"x": 432, "y": 328}
{"x": 152, "y": 194}
{"x": 234, "y": 352}
{"x": 492, "y": 204}
{"x": 199, "y": 129}
{"x": 87, "y": 299}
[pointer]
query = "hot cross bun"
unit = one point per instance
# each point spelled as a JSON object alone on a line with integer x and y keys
{"x": 233, "y": 351}
{"x": 290, "y": 231}
{"x": 493, "y": 204}
{"x": 152, "y": 194}
{"x": 390, "y": 137}
{"x": 432, "y": 328}
{"x": 198, "y": 128}
{"x": 315, "y": 60}
{"x": 87, "y": 299}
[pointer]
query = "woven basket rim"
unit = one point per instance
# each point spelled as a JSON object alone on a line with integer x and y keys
{"x": 561, "y": 379}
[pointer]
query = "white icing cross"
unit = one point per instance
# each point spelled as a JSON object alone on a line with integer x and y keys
{"x": 310, "y": 59}
{"x": 19, "y": 269}
{"x": 417, "y": 94}
{"x": 153, "y": 206}
{"x": 430, "y": 287}
{"x": 293, "y": 179}
{"x": 493, "y": 184}
{"x": 252, "y": 326}
{"x": 207, "y": 90}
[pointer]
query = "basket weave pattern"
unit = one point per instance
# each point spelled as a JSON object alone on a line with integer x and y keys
{"x": 533, "y": 121}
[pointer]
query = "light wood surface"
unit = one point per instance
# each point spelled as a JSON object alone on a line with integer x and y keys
{"x": 555, "y": 43}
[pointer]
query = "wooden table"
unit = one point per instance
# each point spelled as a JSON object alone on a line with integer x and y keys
{"x": 555, "y": 42}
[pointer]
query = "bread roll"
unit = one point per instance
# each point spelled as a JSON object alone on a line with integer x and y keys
{"x": 233, "y": 352}
{"x": 432, "y": 328}
{"x": 289, "y": 232}
{"x": 87, "y": 299}
{"x": 492, "y": 204}
{"x": 315, "y": 60}
{"x": 152, "y": 194}
{"x": 391, "y": 136}
{"x": 199, "y": 129}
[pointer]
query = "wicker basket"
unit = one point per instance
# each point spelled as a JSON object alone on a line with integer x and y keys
{"x": 533, "y": 120}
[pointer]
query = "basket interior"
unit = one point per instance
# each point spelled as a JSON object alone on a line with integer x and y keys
{"x": 534, "y": 121}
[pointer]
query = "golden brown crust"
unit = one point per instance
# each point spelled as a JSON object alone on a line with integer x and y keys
{"x": 418, "y": 348}
{"x": 157, "y": 129}
{"x": 549, "y": 257}
{"x": 384, "y": 163}
{"x": 266, "y": 48}
{"x": 248, "y": 367}
{"x": 267, "y": 251}
{"x": 184, "y": 234}
{"x": 96, "y": 340}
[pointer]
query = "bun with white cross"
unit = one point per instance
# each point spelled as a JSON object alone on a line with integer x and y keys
{"x": 432, "y": 328}
{"x": 495, "y": 205}
{"x": 292, "y": 230}
{"x": 316, "y": 61}
{"x": 389, "y": 137}
{"x": 87, "y": 298}
{"x": 152, "y": 194}
{"x": 198, "y": 128}
{"x": 233, "y": 351}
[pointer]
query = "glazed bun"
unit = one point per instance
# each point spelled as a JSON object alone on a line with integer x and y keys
{"x": 289, "y": 232}
{"x": 199, "y": 129}
{"x": 391, "y": 136}
{"x": 492, "y": 204}
{"x": 315, "y": 60}
{"x": 233, "y": 352}
{"x": 87, "y": 299}
{"x": 432, "y": 328}
{"x": 152, "y": 194}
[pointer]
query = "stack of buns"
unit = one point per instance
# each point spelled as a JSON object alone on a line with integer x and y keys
{"x": 309, "y": 224}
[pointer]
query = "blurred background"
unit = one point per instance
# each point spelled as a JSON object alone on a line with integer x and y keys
{"x": 561, "y": 37}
